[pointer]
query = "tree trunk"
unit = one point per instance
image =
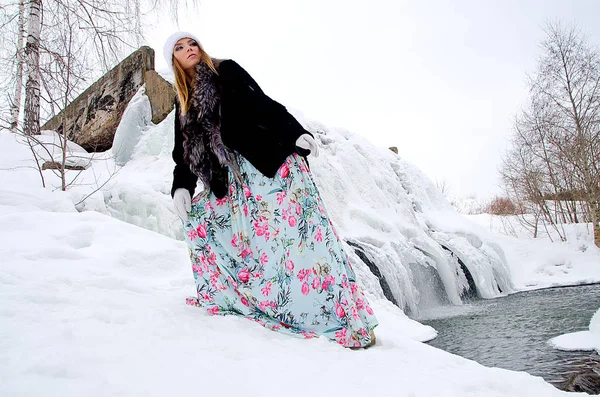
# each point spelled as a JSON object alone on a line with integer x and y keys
{"x": 16, "y": 106}
{"x": 32, "y": 88}
{"x": 595, "y": 215}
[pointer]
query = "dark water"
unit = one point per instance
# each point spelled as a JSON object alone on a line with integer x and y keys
{"x": 513, "y": 332}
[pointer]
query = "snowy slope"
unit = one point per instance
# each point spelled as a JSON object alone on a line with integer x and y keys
{"x": 93, "y": 306}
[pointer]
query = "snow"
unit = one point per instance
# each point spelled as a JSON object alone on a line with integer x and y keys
{"x": 93, "y": 292}
{"x": 135, "y": 120}
{"x": 94, "y": 306}
{"x": 582, "y": 340}
{"x": 542, "y": 262}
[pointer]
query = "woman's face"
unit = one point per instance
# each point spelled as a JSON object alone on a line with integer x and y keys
{"x": 187, "y": 53}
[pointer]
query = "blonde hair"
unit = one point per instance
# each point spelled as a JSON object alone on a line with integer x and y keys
{"x": 183, "y": 83}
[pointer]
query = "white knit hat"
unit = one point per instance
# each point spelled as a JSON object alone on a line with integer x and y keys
{"x": 170, "y": 44}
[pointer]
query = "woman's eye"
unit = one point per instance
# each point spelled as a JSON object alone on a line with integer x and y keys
{"x": 193, "y": 44}
{"x": 178, "y": 48}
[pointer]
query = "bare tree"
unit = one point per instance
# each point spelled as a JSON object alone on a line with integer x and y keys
{"x": 552, "y": 170}
{"x": 109, "y": 29}
{"x": 16, "y": 101}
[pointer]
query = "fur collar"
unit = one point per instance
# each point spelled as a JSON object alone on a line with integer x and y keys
{"x": 203, "y": 148}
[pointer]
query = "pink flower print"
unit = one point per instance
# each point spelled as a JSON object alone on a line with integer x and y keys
{"x": 316, "y": 283}
{"x": 264, "y": 258}
{"x": 292, "y": 221}
{"x": 245, "y": 210}
{"x": 339, "y": 311}
{"x": 214, "y": 310}
{"x": 319, "y": 235}
{"x": 246, "y": 190}
{"x": 258, "y": 228}
{"x": 259, "y": 198}
{"x": 205, "y": 296}
{"x": 201, "y": 230}
{"x": 212, "y": 259}
{"x": 196, "y": 268}
{"x": 284, "y": 171}
{"x": 298, "y": 209}
{"x": 340, "y": 336}
{"x": 192, "y": 234}
{"x": 328, "y": 281}
{"x": 344, "y": 285}
{"x": 244, "y": 301}
{"x": 363, "y": 332}
{"x": 221, "y": 201}
{"x": 360, "y": 304}
{"x": 353, "y": 287}
{"x": 266, "y": 290}
{"x": 246, "y": 252}
{"x": 208, "y": 206}
{"x": 204, "y": 263}
{"x": 276, "y": 233}
{"x": 305, "y": 288}
{"x": 244, "y": 275}
{"x": 231, "y": 189}
{"x": 354, "y": 312}
{"x": 289, "y": 264}
{"x": 263, "y": 305}
{"x": 234, "y": 240}
{"x": 308, "y": 334}
{"x": 280, "y": 197}
{"x": 303, "y": 275}
{"x": 369, "y": 310}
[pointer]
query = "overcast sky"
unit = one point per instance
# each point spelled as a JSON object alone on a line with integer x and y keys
{"x": 442, "y": 80}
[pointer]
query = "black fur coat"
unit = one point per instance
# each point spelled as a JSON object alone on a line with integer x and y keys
{"x": 250, "y": 123}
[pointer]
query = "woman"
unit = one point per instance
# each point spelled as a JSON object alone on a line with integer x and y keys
{"x": 261, "y": 243}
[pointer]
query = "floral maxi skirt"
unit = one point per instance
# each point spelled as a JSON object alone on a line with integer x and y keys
{"x": 269, "y": 252}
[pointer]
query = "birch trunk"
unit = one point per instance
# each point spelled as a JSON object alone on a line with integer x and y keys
{"x": 16, "y": 106}
{"x": 32, "y": 88}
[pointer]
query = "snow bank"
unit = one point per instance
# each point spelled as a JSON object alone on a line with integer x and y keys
{"x": 93, "y": 306}
{"x": 540, "y": 262}
{"x": 582, "y": 340}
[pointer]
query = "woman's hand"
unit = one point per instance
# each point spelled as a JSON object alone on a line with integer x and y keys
{"x": 307, "y": 142}
{"x": 183, "y": 203}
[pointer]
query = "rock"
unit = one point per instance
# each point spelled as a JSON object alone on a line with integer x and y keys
{"x": 53, "y": 165}
{"x": 587, "y": 380}
{"x": 394, "y": 149}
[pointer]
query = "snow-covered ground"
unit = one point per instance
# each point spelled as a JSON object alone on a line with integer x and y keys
{"x": 92, "y": 293}
{"x": 545, "y": 262}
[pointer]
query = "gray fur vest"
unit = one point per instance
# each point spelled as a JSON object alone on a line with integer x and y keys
{"x": 203, "y": 148}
